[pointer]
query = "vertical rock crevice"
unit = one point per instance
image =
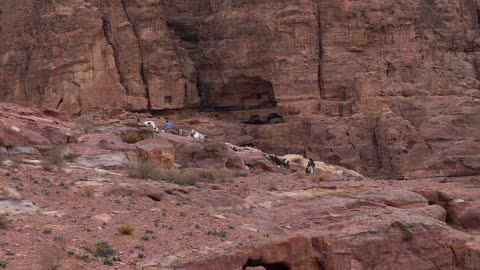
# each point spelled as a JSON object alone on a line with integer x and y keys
{"x": 142, "y": 67}
{"x": 24, "y": 75}
{"x": 320, "y": 49}
{"x": 107, "y": 32}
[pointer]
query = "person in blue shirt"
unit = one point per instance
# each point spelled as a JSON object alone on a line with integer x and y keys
{"x": 168, "y": 125}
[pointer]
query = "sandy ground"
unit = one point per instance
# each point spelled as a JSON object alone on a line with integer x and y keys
{"x": 77, "y": 209}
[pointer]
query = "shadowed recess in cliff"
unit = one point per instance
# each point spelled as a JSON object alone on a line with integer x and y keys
{"x": 268, "y": 266}
{"x": 247, "y": 92}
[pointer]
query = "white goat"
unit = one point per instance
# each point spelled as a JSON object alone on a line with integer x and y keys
{"x": 151, "y": 124}
{"x": 197, "y": 135}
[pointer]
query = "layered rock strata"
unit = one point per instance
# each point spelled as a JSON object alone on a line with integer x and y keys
{"x": 384, "y": 88}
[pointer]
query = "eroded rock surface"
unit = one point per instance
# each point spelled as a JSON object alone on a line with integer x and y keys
{"x": 383, "y": 88}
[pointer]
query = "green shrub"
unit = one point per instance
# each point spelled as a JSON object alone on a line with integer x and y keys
{"x": 240, "y": 174}
{"x": 221, "y": 234}
{"x": 132, "y": 137}
{"x": 103, "y": 249}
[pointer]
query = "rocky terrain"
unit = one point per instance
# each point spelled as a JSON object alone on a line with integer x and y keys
{"x": 384, "y": 88}
{"x": 76, "y": 195}
{"x": 383, "y": 95}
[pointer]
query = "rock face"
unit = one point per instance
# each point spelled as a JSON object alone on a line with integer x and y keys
{"x": 383, "y": 88}
{"x": 76, "y": 55}
{"x": 397, "y": 230}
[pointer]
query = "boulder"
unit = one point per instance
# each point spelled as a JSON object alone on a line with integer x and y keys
{"x": 106, "y": 141}
{"x": 158, "y": 150}
{"x": 56, "y": 135}
{"x": 434, "y": 211}
{"x": 8, "y": 193}
{"x": 470, "y": 217}
{"x": 256, "y": 160}
{"x": 97, "y": 158}
{"x": 25, "y": 150}
{"x": 235, "y": 162}
{"x": 396, "y": 198}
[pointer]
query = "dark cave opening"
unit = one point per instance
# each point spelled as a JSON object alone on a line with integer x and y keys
{"x": 268, "y": 266}
{"x": 245, "y": 92}
{"x": 478, "y": 16}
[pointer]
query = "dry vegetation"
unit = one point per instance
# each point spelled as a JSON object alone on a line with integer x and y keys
{"x": 150, "y": 170}
{"x": 300, "y": 174}
{"x": 3, "y": 222}
{"x": 284, "y": 170}
{"x": 317, "y": 178}
{"x": 125, "y": 229}
{"x": 51, "y": 258}
{"x": 89, "y": 191}
{"x": 85, "y": 122}
{"x": 53, "y": 159}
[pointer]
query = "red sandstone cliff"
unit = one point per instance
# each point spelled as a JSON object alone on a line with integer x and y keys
{"x": 382, "y": 87}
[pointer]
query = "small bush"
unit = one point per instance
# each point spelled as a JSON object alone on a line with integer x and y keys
{"x": 125, "y": 229}
{"x": 145, "y": 170}
{"x": 300, "y": 174}
{"x": 189, "y": 178}
{"x": 240, "y": 174}
{"x": 317, "y": 178}
{"x": 272, "y": 186}
{"x": 103, "y": 249}
{"x": 284, "y": 171}
{"x": 3, "y": 264}
{"x": 54, "y": 158}
{"x": 84, "y": 119}
{"x": 150, "y": 170}
{"x": 3, "y": 222}
{"x": 221, "y": 234}
{"x": 206, "y": 175}
{"x": 132, "y": 137}
{"x": 51, "y": 258}
{"x": 219, "y": 173}
{"x": 169, "y": 175}
{"x": 89, "y": 191}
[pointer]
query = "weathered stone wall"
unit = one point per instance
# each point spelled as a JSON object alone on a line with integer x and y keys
{"x": 389, "y": 87}
{"x": 78, "y": 54}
